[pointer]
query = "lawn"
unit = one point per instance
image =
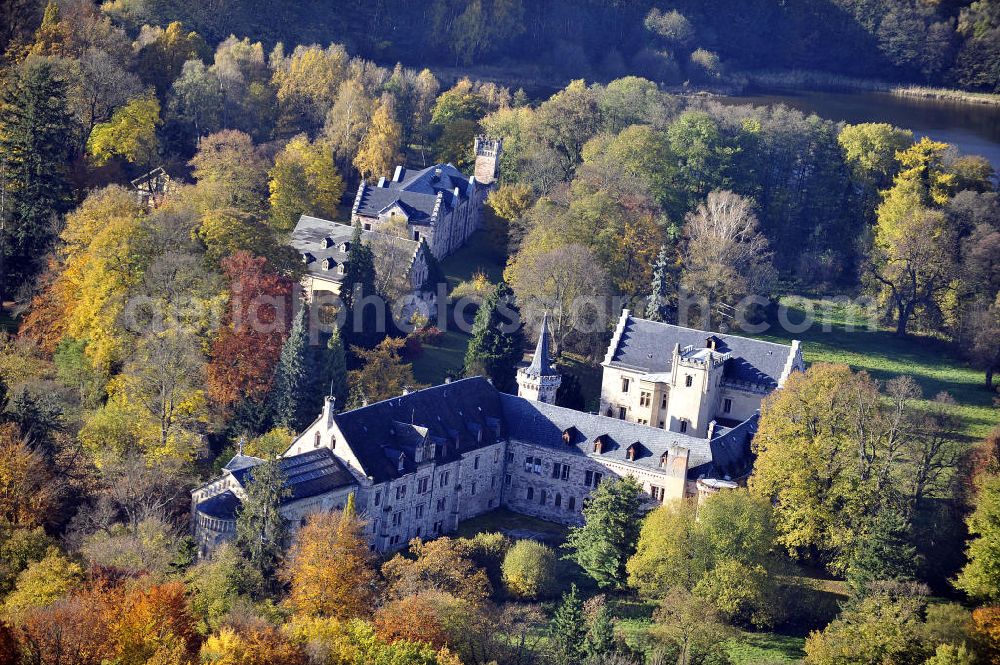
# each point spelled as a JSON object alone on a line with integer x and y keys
{"x": 441, "y": 360}
{"x": 879, "y": 352}
{"x": 765, "y": 648}
{"x": 480, "y": 254}
{"x": 514, "y": 525}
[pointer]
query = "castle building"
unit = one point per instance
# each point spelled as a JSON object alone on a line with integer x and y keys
{"x": 438, "y": 204}
{"x": 324, "y": 247}
{"x": 421, "y": 463}
{"x": 539, "y": 381}
{"x": 689, "y": 381}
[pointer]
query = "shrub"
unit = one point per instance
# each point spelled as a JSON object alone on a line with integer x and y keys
{"x": 529, "y": 570}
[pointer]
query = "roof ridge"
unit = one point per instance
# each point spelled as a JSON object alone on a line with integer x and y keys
{"x": 721, "y": 335}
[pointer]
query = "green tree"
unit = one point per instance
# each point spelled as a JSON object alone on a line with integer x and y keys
{"x": 689, "y": 629}
{"x": 568, "y": 630}
{"x": 600, "y": 641}
{"x": 35, "y": 126}
{"x": 295, "y": 377}
{"x": 335, "y": 369}
{"x": 260, "y": 529}
{"x": 671, "y": 552}
{"x": 884, "y": 551}
{"x": 379, "y": 149}
{"x": 603, "y": 545}
{"x": 497, "y": 343}
{"x": 304, "y": 179}
{"x": 981, "y": 576}
{"x": 359, "y": 281}
{"x": 663, "y": 290}
{"x": 529, "y": 570}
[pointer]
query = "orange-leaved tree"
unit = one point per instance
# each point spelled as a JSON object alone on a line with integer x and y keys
{"x": 256, "y": 321}
{"x": 330, "y": 568}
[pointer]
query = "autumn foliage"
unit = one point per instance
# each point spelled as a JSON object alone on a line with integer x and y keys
{"x": 257, "y": 319}
{"x": 25, "y": 495}
{"x": 330, "y": 568}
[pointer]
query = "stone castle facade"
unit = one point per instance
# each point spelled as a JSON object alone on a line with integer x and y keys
{"x": 438, "y": 205}
{"x": 421, "y": 463}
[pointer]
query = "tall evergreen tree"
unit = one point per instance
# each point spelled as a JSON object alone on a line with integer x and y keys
{"x": 359, "y": 282}
{"x": 883, "y": 551}
{"x": 35, "y": 127}
{"x": 294, "y": 382}
{"x": 600, "y": 635}
{"x": 568, "y": 630}
{"x": 660, "y": 294}
{"x": 260, "y": 528}
{"x": 497, "y": 344}
{"x": 609, "y": 534}
{"x": 335, "y": 369}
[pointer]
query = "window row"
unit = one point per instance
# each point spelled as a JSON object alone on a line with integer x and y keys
{"x": 543, "y": 499}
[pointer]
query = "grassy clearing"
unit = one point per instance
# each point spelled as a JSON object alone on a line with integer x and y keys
{"x": 765, "y": 648}
{"x": 878, "y": 351}
{"x": 514, "y": 525}
{"x": 439, "y": 360}
{"x": 479, "y": 255}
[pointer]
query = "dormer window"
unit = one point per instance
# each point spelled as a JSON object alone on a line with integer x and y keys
{"x": 402, "y": 462}
{"x": 340, "y": 268}
{"x": 345, "y": 246}
{"x": 599, "y": 444}
{"x": 631, "y": 452}
{"x": 329, "y": 263}
{"x": 327, "y": 242}
{"x": 663, "y": 460}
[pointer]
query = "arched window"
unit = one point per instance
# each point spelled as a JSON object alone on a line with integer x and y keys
{"x": 531, "y": 493}
{"x": 316, "y": 440}
{"x": 543, "y": 498}
{"x": 572, "y": 503}
{"x": 558, "y": 500}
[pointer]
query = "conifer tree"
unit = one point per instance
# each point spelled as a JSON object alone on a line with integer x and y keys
{"x": 35, "y": 131}
{"x": 609, "y": 534}
{"x": 568, "y": 630}
{"x": 293, "y": 382}
{"x": 260, "y": 528}
{"x": 659, "y": 302}
{"x": 359, "y": 281}
{"x": 600, "y": 634}
{"x": 981, "y": 576}
{"x": 335, "y": 369}
{"x": 883, "y": 551}
{"x": 497, "y": 344}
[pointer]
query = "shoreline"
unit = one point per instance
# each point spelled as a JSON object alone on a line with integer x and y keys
{"x": 824, "y": 82}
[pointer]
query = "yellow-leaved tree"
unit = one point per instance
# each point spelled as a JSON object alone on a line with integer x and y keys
{"x": 304, "y": 179}
{"x": 330, "y": 567}
{"x": 131, "y": 133}
{"x": 379, "y": 149}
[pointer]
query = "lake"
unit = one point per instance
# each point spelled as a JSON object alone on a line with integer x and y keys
{"x": 972, "y": 128}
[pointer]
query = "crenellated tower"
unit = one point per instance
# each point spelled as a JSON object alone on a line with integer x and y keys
{"x": 488, "y": 160}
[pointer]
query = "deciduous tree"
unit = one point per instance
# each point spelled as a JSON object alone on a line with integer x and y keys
{"x": 331, "y": 568}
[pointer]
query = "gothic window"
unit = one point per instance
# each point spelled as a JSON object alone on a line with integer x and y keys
{"x": 378, "y": 498}
{"x": 572, "y": 503}
{"x": 663, "y": 402}
{"x": 555, "y": 469}
{"x": 684, "y": 426}
{"x": 558, "y": 500}
{"x": 543, "y": 498}
{"x": 444, "y": 478}
{"x": 588, "y": 478}
{"x": 621, "y": 413}
{"x": 688, "y": 380}
{"x": 538, "y": 466}
{"x": 625, "y": 382}
{"x": 527, "y": 463}
{"x": 316, "y": 440}
{"x": 727, "y": 405}
{"x": 531, "y": 493}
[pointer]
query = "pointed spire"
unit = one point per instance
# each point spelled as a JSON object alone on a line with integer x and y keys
{"x": 242, "y": 442}
{"x": 540, "y": 362}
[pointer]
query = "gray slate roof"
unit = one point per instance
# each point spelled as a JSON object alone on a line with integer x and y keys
{"x": 451, "y": 415}
{"x": 416, "y": 191}
{"x": 648, "y": 346}
{"x": 308, "y": 474}
{"x": 312, "y": 234}
{"x": 541, "y": 363}
{"x": 544, "y": 424}
{"x": 221, "y": 506}
{"x": 455, "y": 413}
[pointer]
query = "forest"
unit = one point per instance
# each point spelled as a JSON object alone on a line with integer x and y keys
{"x": 941, "y": 42}
{"x": 868, "y": 532}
